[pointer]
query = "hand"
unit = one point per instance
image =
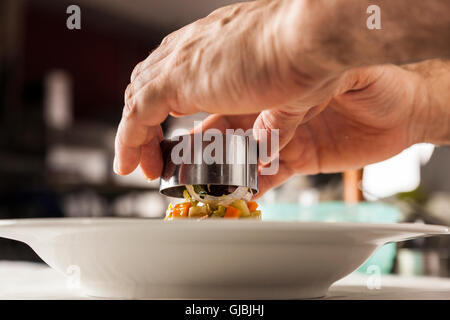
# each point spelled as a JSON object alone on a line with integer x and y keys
{"x": 237, "y": 60}
{"x": 249, "y": 59}
{"x": 382, "y": 111}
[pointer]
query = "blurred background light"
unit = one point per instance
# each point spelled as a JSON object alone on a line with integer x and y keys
{"x": 400, "y": 173}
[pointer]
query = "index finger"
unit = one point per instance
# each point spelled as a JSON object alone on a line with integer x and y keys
{"x": 138, "y": 144}
{"x": 139, "y": 133}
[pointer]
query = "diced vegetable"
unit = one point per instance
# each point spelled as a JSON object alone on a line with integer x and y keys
{"x": 180, "y": 210}
{"x": 219, "y": 212}
{"x": 232, "y": 213}
{"x": 199, "y": 190}
{"x": 169, "y": 212}
{"x": 198, "y": 193}
{"x": 187, "y": 196}
{"x": 198, "y": 211}
{"x": 252, "y": 206}
{"x": 212, "y": 206}
{"x": 256, "y": 214}
{"x": 242, "y": 206}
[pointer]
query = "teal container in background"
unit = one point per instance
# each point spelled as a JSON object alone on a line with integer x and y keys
{"x": 367, "y": 212}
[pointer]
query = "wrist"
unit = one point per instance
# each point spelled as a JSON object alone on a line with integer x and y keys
{"x": 432, "y": 112}
{"x": 437, "y": 130}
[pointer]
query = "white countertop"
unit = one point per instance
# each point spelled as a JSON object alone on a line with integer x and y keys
{"x": 24, "y": 280}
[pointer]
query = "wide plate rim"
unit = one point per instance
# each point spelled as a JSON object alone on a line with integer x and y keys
{"x": 231, "y": 224}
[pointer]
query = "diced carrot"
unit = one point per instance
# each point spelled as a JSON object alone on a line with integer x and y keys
{"x": 232, "y": 213}
{"x": 181, "y": 210}
{"x": 252, "y": 206}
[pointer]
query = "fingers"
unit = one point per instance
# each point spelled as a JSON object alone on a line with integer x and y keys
{"x": 126, "y": 159}
{"x": 276, "y": 119}
{"x": 151, "y": 160}
{"x": 267, "y": 182}
{"x": 155, "y": 63}
{"x": 139, "y": 130}
{"x": 141, "y": 80}
{"x": 128, "y": 142}
{"x": 315, "y": 111}
{"x": 138, "y": 144}
{"x": 223, "y": 122}
{"x": 161, "y": 52}
{"x": 156, "y": 56}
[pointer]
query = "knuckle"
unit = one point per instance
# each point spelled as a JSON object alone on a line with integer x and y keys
{"x": 137, "y": 101}
{"x": 167, "y": 39}
{"x": 130, "y": 107}
{"x": 236, "y": 9}
{"x": 136, "y": 70}
{"x": 218, "y": 12}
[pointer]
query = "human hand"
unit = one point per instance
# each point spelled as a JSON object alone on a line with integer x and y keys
{"x": 237, "y": 60}
{"x": 246, "y": 59}
{"x": 381, "y": 111}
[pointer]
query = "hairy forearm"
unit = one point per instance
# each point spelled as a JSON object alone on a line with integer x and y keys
{"x": 331, "y": 36}
{"x": 335, "y": 32}
{"x": 433, "y": 100}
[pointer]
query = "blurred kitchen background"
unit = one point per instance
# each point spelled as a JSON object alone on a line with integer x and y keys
{"x": 61, "y": 98}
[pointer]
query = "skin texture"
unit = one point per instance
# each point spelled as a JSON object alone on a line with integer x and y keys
{"x": 283, "y": 65}
{"x": 383, "y": 112}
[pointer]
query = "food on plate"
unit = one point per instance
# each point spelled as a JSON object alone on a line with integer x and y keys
{"x": 201, "y": 203}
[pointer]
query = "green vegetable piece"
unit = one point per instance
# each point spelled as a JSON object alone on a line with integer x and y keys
{"x": 241, "y": 205}
{"x": 220, "y": 212}
{"x": 198, "y": 211}
{"x": 199, "y": 189}
{"x": 187, "y": 196}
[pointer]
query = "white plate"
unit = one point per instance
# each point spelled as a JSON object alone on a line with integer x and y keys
{"x": 139, "y": 258}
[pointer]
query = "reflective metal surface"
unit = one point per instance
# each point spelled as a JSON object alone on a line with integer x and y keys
{"x": 232, "y": 163}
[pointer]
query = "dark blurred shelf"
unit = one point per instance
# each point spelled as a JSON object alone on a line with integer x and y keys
{"x": 102, "y": 188}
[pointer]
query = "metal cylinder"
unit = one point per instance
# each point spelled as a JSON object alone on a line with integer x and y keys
{"x": 227, "y": 160}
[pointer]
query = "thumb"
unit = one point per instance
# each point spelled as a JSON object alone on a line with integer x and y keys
{"x": 276, "y": 122}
